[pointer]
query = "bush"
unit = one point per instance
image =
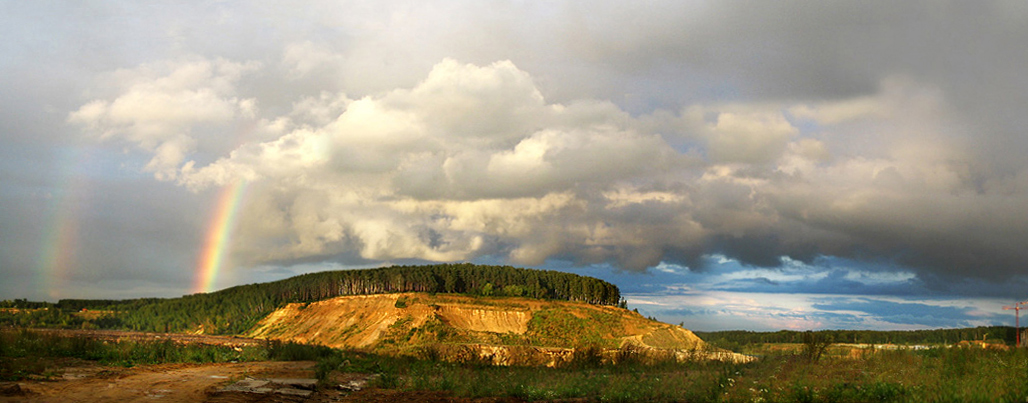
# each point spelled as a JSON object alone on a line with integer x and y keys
{"x": 815, "y": 344}
{"x": 585, "y": 357}
{"x": 292, "y": 351}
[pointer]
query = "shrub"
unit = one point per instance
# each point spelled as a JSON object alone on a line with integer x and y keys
{"x": 586, "y": 357}
{"x": 815, "y": 344}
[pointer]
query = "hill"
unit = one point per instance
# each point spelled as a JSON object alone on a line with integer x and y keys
{"x": 500, "y": 314}
{"x": 497, "y": 330}
{"x": 235, "y": 310}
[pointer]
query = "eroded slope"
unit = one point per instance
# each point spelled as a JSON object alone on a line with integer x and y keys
{"x": 411, "y": 321}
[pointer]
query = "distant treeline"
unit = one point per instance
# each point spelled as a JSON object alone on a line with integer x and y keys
{"x": 234, "y": 310}
{"x": 736, "y": 338}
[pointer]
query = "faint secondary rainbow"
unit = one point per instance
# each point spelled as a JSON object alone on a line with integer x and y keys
{"x": 219, "y": 233}
{"x": 56, "y": 261}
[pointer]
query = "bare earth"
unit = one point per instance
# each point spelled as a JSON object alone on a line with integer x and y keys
{"x": 151, "y": 383}
{"x": 181, "y": 383}
{"x": 361, "y": 321}
{"x": 84, "y": 381}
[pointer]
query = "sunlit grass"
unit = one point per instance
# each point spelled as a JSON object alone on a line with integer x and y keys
{"x": 936, "y": 375}
{"x": 26, "y": 352}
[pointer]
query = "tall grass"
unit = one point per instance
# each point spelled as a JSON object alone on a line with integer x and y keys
{"x": 25, "y": 353}
{"x": 937, "y": 375}
{"x": 943, "y": 375}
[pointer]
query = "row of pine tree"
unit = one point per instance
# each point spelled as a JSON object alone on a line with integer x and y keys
{"x": 236, "y": 309}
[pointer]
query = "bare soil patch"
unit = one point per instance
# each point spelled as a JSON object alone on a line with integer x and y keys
{"x": 184, "y": 338}
{"x": 171, "y": 383}
{"x": 391, "y": 396}
{"x": 182, "y": 383}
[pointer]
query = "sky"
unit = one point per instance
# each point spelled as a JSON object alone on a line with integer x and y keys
{"x": 729, "y": 165}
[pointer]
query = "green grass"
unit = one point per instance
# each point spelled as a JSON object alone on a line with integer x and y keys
{"x": 25, "y": 353}
{"x": 937, "y": 375}
{"x": 943, "y": 375}
{"x": 558, "y": 328}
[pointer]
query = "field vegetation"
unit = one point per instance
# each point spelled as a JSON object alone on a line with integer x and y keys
{"x": 931, "y": 375}
{"x": 33, "y": 354}
{"x": 751, "y": 342}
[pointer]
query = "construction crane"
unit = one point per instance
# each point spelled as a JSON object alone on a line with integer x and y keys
{"x": 1017, "y": 319}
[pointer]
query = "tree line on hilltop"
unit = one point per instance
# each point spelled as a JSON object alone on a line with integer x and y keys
{"x": 236, "y": 309}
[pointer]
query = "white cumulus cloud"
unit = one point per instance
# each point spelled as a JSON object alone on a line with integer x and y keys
{"x": 473, "y": 160}
{"x": 157, "y": 112}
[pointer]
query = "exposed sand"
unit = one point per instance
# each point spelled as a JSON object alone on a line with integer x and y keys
{"x": 181, "y": 383}
{"x": 169, "y": 383}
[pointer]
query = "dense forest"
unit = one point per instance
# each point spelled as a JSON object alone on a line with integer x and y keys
{"x": 234, "y": 310}
{"x": 737, "y": 338}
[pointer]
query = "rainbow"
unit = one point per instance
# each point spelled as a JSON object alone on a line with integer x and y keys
{"x": 216, "y": 242}
{"x": 57, "y": 259}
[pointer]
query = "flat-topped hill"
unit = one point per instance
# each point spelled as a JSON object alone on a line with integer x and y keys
{"x": 452, "y": 311}
{"x": 235, "y": 310}
{"x": 502, "y": 330}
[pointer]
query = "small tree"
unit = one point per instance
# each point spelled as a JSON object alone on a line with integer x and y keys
{"x": 815, "y": 344}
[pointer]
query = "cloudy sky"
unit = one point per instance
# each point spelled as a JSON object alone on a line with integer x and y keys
{"x": 730, "y": 165}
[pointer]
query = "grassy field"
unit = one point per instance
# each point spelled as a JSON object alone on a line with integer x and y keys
{"x": 781, "y": 375}
{"x": 28, "y": 354}
{"x": 940, "y": 375}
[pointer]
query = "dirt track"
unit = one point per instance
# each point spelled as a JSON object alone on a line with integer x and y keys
{"x": 116, "y": 335}
{"x": 182, "y": 383}
{"x": 150, "y": 383}
{"x": 84, "y": 381}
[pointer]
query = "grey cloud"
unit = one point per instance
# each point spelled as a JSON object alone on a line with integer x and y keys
{"x": 616, "y": 134}
{"x": 73, "y": 236}
{"x": 906, "y": 313}
{"x": 422, "y": 161}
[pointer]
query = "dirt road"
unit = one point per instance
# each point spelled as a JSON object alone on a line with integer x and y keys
{"x": 119, "y": 335}
{"x": 166, "y": 383}
{"x": 182, "y": 383}
{"x": 84, "y": 381}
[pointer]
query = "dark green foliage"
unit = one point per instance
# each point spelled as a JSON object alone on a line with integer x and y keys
{"x": 23, "y": 304}
{"x": 586, "y": 357}
{"x": 46, "y": 315}
{"x": 237, "y": 309}
{"x": 292, "y": 351}
{"x": 733, "y": 339}
{"x": 444, "y": 278}
{"x": 24, "y": 352}
{"x": 815, "y": 344}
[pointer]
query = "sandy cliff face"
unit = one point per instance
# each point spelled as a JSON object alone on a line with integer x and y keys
{"x": 494, "y": 329}
{"x": 481, "y": 319}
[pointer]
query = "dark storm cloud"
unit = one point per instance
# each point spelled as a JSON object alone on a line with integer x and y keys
{"x": 599, "y": 133}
